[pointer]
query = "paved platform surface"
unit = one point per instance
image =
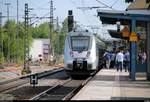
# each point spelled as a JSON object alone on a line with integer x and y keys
{"x": 113, "y": 85}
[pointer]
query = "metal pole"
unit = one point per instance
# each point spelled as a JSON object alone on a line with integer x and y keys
{"x": 26, "y": 68}
{"x": 133, "y": 52}
{"x": 57, "y": 30}
{"x": 17, "y": 33}
{"x": 58, "y": 34}
{"x": 1, "y": 38}
{"x": 148, "y": 50}
{"x": 51, "y": 51}
{"x": 8, "y": 46}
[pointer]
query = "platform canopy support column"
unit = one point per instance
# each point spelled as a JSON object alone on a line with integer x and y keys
{"x": 148, "y": 50}
{"x": 133, "y": 51}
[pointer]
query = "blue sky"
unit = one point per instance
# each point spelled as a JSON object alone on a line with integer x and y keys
{"x": 41, "y": 7}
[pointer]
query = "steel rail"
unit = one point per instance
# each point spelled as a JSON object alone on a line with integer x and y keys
{"x": 40, "y": 75}
{"x": 50, "y": 89}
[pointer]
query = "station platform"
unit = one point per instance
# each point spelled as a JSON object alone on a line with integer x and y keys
{"x": 108, "y": 84}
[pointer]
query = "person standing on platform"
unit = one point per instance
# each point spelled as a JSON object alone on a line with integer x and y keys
{"x": 143, "y": 57}
{"x": 119, "y": 60}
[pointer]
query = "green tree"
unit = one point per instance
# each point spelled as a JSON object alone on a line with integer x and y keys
{"x": 62, "y": 36}
{"x": 41, "y": 31}
{"x": 1, "y": 46}
{"x": 8, "y": 31}
{"x": 9, "y": 36}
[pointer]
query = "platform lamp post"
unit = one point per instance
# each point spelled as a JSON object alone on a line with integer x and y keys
{"x": 118, "y": 27}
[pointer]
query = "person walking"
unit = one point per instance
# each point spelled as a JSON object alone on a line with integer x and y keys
{"x": 127, "y": 60}
{"x": 107, "y": 56}
{"x": 119, "y": 60}
{"x": 112, "y": 64}
{"x": 139, "y": 57}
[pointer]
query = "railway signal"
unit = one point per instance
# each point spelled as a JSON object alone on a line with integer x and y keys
{"x": 128, "y": 1}
{"x": 70, "y": 21}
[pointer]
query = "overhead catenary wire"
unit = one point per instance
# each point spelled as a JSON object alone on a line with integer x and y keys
{"x": 104, "y": 4}
{"x": 114, "y": 3}
{"x": 22, "y": 16}
{"x": 40, "y": 18}
{"x": 83, "y": 11}
{"x": 91, "y": 26}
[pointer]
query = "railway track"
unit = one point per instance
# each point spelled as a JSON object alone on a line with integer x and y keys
{"x": 26, "y": 91}
{"x": 57, "y": 86}
{"x": 10, "y": 84}
{"x": 63, "y": 91}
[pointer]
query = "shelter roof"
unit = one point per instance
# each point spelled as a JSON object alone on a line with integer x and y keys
{"x": 139, "y": 4}
{"x": 125, "y": 17}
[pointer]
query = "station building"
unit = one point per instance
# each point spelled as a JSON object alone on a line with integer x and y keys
{"x": 39, "y": 50}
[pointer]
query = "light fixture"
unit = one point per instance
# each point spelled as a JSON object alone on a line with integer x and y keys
{"x": 118, "y": 26}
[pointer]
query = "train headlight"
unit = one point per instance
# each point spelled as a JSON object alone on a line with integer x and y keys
{"x": 71, "y": 53}
{"x": 88, "y": 54}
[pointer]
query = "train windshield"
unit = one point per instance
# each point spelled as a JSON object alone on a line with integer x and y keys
{"x": 80, "y": 43}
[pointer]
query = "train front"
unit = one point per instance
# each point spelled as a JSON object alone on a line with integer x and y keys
{"x": 78, "y": 54}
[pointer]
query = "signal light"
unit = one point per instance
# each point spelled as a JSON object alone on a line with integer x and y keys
{"x": 70, "y": 23}
{"x": 70, "y": 20}
{"x": 128, "y": 1}
{"x": 70, "y": 12}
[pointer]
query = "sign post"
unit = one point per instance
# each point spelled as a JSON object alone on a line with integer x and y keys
{"x": 133, "y": 39}
{"x": 34, "y": 79}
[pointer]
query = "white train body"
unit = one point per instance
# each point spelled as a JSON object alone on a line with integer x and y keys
{"x": 82, "y": 52}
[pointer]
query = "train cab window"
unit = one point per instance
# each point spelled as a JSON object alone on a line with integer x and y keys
{"x": 80, "y": 43}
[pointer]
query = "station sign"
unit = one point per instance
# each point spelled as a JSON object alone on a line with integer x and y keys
{"x": 125, "y": 32}
{"x": 133, "y": 37}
